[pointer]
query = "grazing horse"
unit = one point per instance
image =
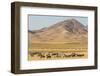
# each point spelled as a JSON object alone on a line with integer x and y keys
{"x": 80, "y": 55}
{"x": 41, "y": 55}
{"x": 48, "y": 56}
{"x": 56, "y": 54}
{"x": 73, "y": 54}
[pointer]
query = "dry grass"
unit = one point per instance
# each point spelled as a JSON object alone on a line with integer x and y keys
{"x": 63, "y": 50}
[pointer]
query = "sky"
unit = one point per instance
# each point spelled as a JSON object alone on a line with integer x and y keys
{"x": 40, "y": 21}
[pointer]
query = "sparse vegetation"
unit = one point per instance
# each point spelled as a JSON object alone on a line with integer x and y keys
{"x": 63, "y": 40}
{"x": 42, "y": 51}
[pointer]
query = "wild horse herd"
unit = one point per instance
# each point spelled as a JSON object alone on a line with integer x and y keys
{"x": 48, "y": 55}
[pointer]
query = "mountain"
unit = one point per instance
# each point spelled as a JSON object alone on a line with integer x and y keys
{"x": 69, "y": 30}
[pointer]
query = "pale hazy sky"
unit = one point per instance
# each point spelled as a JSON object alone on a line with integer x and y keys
{"x": 40, "y": 21}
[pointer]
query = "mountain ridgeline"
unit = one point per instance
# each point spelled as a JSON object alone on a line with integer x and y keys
{"x": 66, "y": 31}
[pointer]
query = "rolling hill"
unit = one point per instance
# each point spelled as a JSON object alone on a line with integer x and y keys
{"x": 67, "y": 31}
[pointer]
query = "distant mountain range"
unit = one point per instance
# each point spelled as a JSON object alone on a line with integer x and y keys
{"x": 69, "y": 30}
